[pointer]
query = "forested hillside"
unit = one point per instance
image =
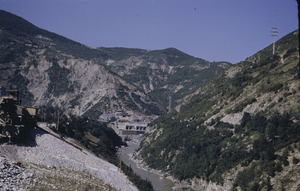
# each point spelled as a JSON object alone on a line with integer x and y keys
{"x": 240, "y": 130}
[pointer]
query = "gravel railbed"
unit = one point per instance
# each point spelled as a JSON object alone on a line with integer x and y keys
{"x": 53, "y": 152}
{"x": 13, "y": 176}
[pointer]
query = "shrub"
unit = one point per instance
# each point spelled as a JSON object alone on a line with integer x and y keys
{"x": 275, "y": 87}
{"x": 295, "y": 160}
{"x": 285, "y": 162}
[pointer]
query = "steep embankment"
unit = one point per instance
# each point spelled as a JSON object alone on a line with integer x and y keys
{"x": 240, "y": 130}
{"x": 48, "y": 160}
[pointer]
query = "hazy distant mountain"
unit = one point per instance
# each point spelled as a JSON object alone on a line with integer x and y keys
{"x": 166, "y": 75}
{"x": 240, "y": 130}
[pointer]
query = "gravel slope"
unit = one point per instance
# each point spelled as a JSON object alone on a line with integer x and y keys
{"x": 53, "y": 152}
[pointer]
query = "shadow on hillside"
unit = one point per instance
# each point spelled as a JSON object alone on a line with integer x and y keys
{"x": 30, "y": 139}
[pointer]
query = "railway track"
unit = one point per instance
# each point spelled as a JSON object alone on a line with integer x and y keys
{"x": 49, "y": 131}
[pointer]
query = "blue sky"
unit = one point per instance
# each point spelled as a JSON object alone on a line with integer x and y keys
{"x": 215, "y": 30}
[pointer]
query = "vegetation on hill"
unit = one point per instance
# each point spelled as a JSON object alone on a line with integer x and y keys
{"x": 190, "y": 150}
{"x": 241, "y": 127}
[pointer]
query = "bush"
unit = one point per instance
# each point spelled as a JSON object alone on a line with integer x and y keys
{"x": 255, "y": 186}
{"x": 295, "y": 160}
{"x": 285, "y": 162}
{"x": 275, "y": 87}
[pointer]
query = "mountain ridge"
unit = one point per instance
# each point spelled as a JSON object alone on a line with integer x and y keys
{"x": 166, "y": 75}
{"x": 49, "y": 69}
{"x": 22, "y": 28}
{"x": 239, "y": 131}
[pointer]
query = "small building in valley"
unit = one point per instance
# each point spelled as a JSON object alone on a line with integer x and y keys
{"x": 130, "y": 129}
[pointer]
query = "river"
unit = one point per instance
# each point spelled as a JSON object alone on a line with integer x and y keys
{"x": 159, "y": 183}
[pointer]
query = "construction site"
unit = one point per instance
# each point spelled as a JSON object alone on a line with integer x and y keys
{"x": 15, "y": 120}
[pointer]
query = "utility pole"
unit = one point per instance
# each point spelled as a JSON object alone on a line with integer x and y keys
{"x": 274, "y": 35}
{"x": 170, "y": 102}
{"x": 43, "y": 114}
{"x": 120, "y": 160}
{"x": 57, "y": 121}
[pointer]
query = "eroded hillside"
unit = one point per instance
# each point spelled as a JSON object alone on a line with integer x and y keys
{"x": 49, "y": 69}
{"x": 166, "y": 75}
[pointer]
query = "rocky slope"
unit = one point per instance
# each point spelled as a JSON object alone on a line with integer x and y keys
{"x": 47, "y": 161}
{"x": 49, "y": 69}
{"x": 238, "y": 131}
{"x": 166, "y": 75}
{"x": 13, "y": 176}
